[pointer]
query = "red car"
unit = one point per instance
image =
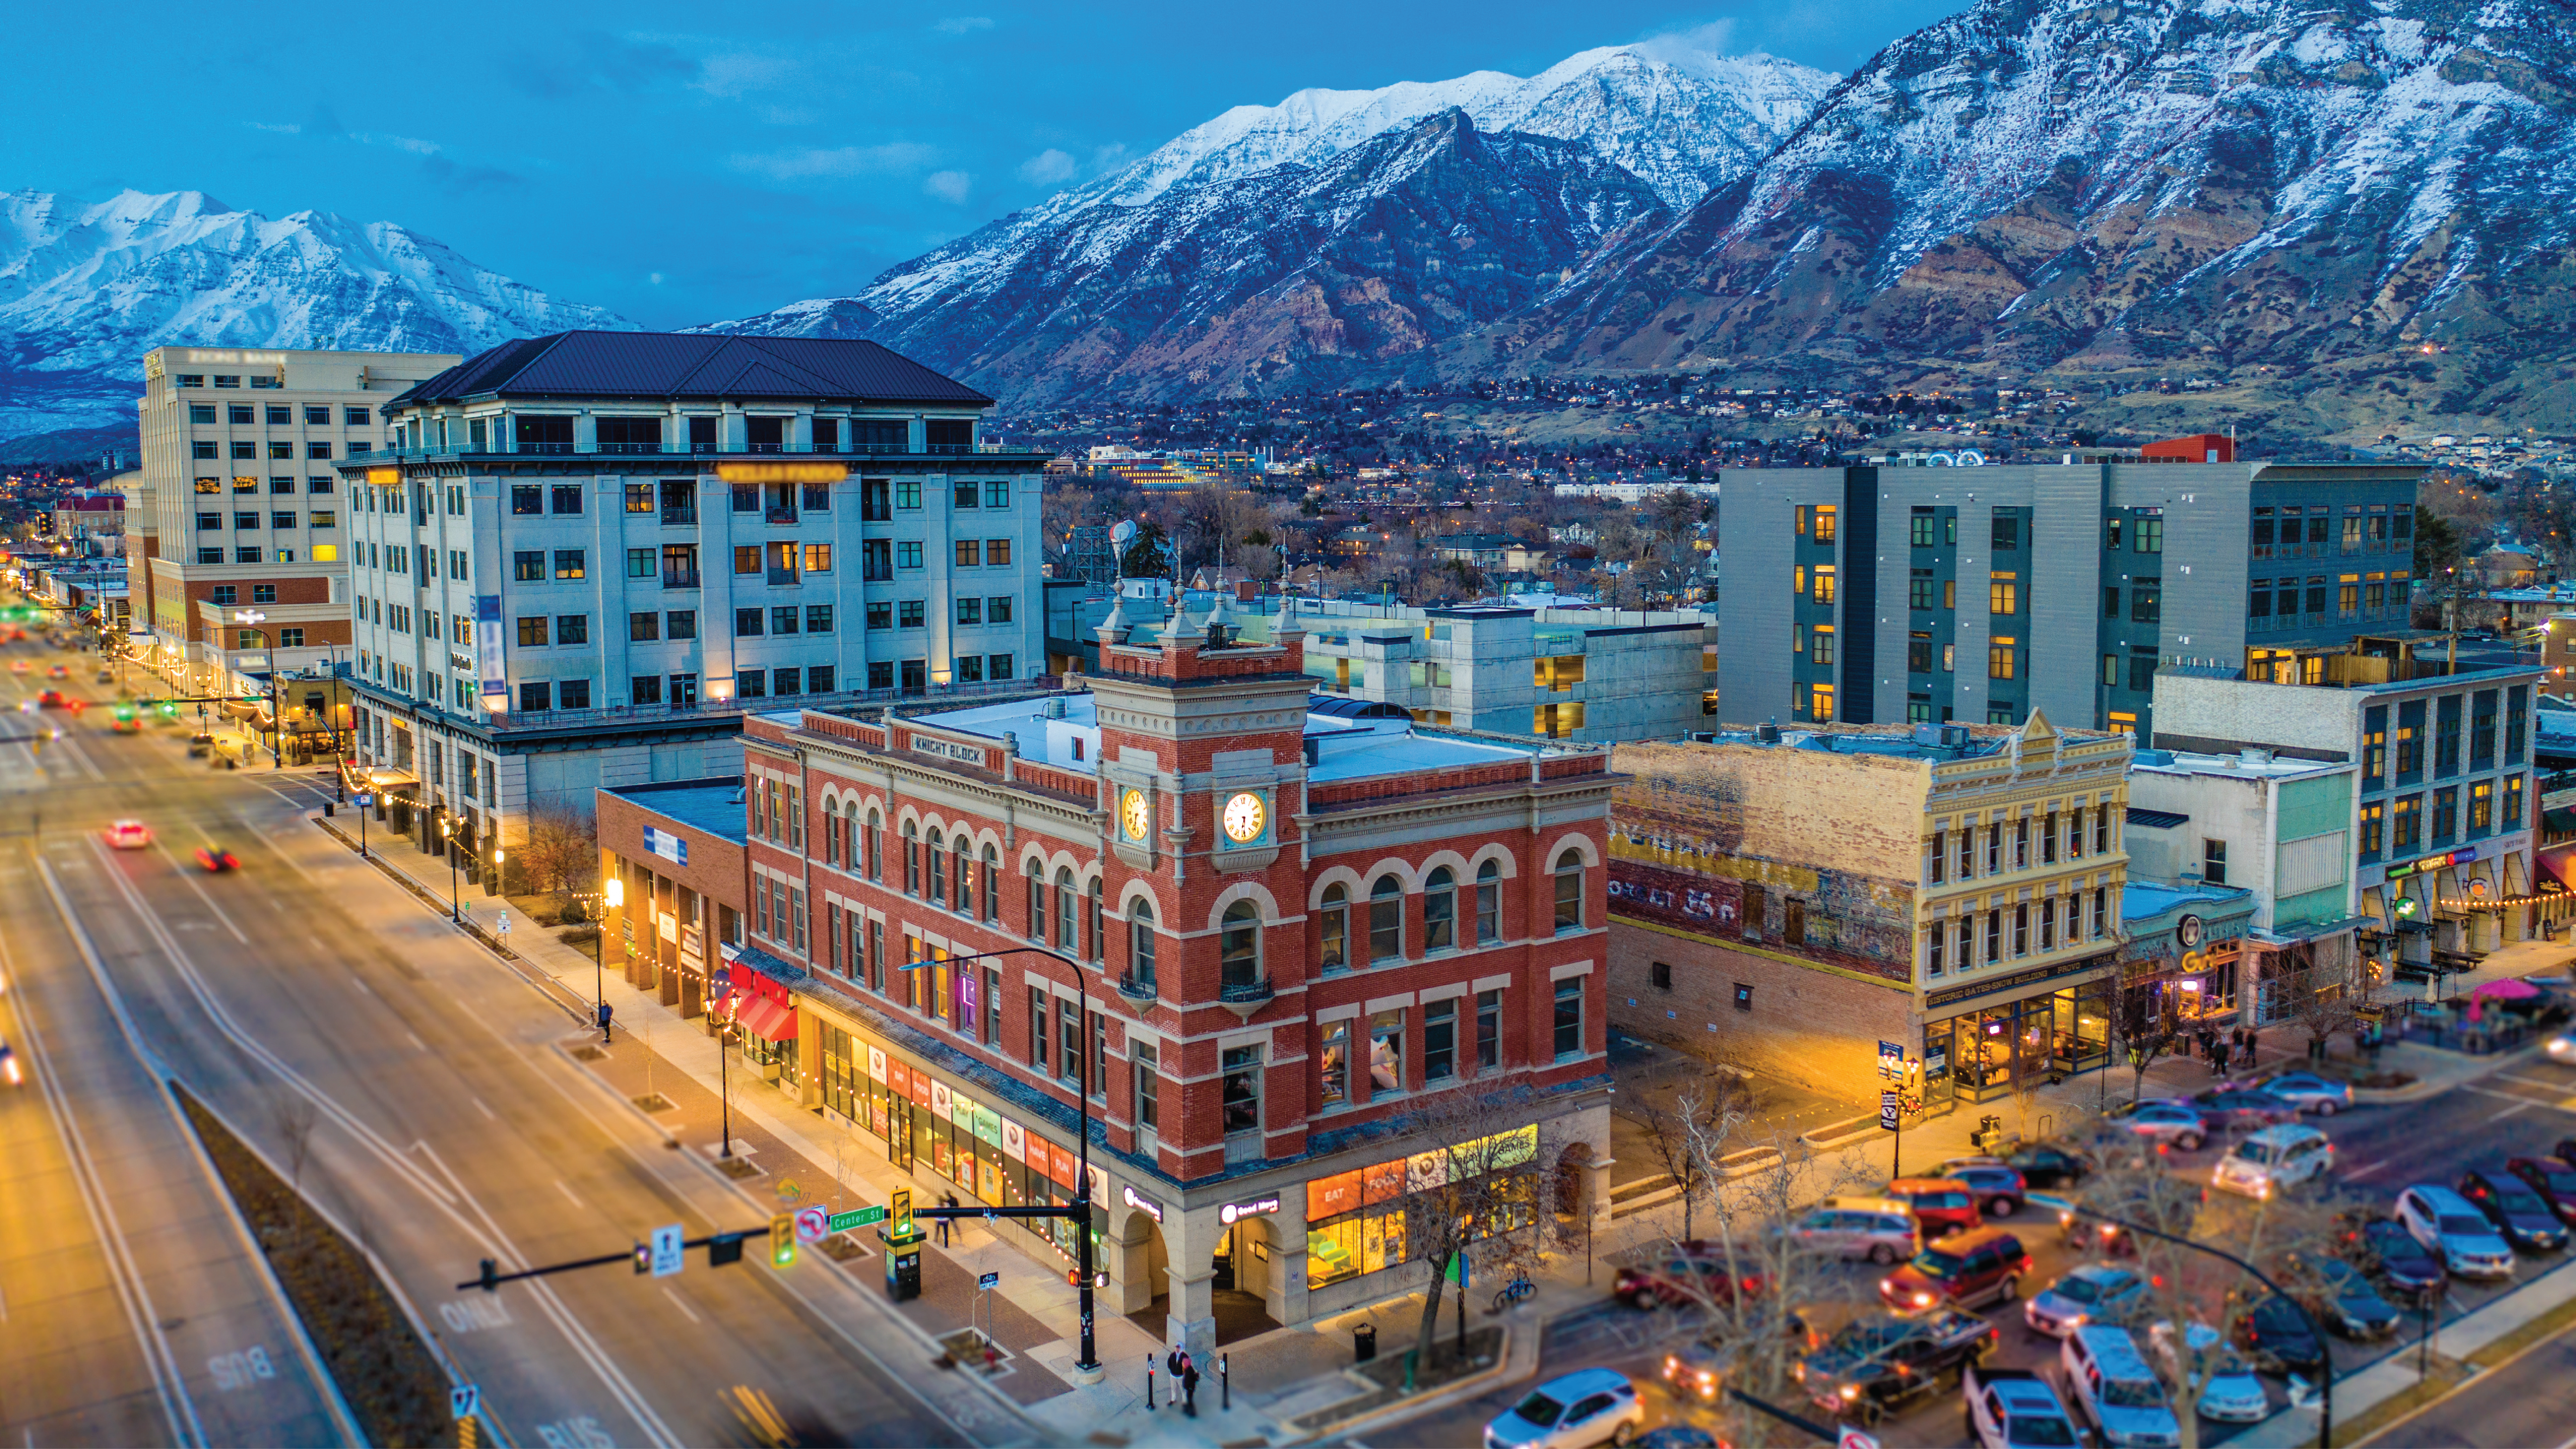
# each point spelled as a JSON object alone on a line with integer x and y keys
{"x": 1698, "y": 1273}
{"x": 1959, "y": 1270}
{"x": 1943, "y": 1205}
{"x": 2553, "y": 1179}
{"x": 216, "y": 859}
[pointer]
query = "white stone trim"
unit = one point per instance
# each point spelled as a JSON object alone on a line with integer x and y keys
{"x": 1556, "y": 974}
{"x": 1377, "y": 1004}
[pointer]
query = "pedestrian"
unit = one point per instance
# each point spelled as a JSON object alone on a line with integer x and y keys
{"x": 1189, "y": 1387}
{"x": 940, "y": 1225}
{"x": 605, "y": 1012}
{"x": 2252, "y": 1046}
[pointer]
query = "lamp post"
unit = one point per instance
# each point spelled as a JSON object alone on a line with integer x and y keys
{"x": 268, "y": 642}
{"x": 447, "y": 847}
{"x": 615, "y": 893}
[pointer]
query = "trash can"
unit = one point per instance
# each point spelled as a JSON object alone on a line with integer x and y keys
{"x": 1364, "y": 1343}
{"x": 326, "y": 810}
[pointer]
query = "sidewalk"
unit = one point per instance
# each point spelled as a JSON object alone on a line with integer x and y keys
{"x": 798, "y": 1158}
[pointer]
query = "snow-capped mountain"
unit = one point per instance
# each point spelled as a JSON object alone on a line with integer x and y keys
{"x": 2332, "y": 190}
{"x": 1675, "y": 132}
{"x": 86, "y": 289}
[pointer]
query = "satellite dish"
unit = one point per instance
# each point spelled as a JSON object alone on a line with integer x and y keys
{"x": 1124, "y": 530}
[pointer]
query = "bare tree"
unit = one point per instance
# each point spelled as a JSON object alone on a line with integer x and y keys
{"x": 1704, "y": 1115}
{"x": 2322, "y": 999}
{"x": 1475, "y": 1196}
{"x": 560, "y": 854}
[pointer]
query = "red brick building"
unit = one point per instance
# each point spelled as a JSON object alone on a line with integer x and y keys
{"x": 1264, "y": 927}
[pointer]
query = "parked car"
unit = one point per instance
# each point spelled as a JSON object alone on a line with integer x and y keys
{"x": 2383, "y": 1248}
{"x": 1594, "y": 1406}
{"x": 1877, "y": 1228}
{"x": 2308, "y": 1092}
{"x": 2113, "y": 1387}
{"x": 1678, "y": 1436}
{"x": 2230, "y": 1393}
{"x": 1881, "y": 1361}
{"x": 1698, "y": 1272}
{"x": 2452, "y": 1227}
{"x": 2014, "y": 1409}
{"x": 1959, "y": 1270}
{"x": 2167, "y": 1124}
{"x": 2275, "y": 1335}
{"x": 2273, "y": 1159}
{"x": 2243, "y": 1107}
{"x": 2087, "y": 1293}
{"x": 1996, "y": 1185}
{"x": 1940, "y": 1205}
{"x": 2340, "y": 1296}
{"x": 2524, "y": 1217}
{"x": 2552, "y": 1178}
{"x": 2044, "y": 1166}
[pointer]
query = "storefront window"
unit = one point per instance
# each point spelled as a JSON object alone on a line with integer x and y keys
{"x": 1980, "y": 1055}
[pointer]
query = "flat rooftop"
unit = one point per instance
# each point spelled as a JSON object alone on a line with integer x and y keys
{"x": 2257, "y": 765}
{"x": 2140, "y": 899}
{"x": 1350, "y": 739}
{"x": 710, "y": 807}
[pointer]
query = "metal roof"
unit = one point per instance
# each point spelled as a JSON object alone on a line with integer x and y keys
{"x": 662, "y": 366}
{"x": 2155, "y": 819}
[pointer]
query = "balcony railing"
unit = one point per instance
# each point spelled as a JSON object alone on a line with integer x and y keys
{"x": 679, "y": 578}
{"x": 545, "y": 447}
{"x": 1244, "y": 991}
{"x": 778, "y": 515}
{"x": 629, "y": 447}
{"x": 1135, "y": 987}
{"x": 782, "y": 576}
{"x": 685, "y": 513}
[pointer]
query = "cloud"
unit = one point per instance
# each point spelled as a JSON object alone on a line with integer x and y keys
{"x": 963, "y": 24}
{"x": 948, "y": 185}
{"x": 413, "y": 144}
{"x": 283, "y": 128}
{"x": 1690, "y": 50}
{"x": 839, "y": 161}
{"x": 734, "y": 75}
{"x": 653, "y": 277}
{"x": 595, "y": 61}
{"x": 1047, "y": 167}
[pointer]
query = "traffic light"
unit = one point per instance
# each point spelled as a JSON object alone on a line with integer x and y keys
{"x": 169, "y": 709}
{"x": 782, "y": 1241}
{"x": 899, "y": 1213}
{"x": 643, "y": 1259}
{"x": 724, "y": 1248}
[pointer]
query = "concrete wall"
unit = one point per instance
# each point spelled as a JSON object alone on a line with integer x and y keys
{"x": 1803, "y": 1023}
{"x": 2324, "y": 722}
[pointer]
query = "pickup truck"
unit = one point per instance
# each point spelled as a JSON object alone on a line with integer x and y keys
{"x": 1882, "y": 1360}
{"x": 2014, "y": 1409}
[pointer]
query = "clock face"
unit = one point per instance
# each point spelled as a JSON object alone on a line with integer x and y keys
{"x": 1135, "y": 816}
{"x": 1245, "y": 816}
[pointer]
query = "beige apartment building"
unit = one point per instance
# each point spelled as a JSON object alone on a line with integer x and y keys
{"x": 239, "y": 509}
{"x": 1794, "y": 898}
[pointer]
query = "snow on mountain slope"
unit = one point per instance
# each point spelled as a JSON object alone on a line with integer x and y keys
{"x": 86, "y": 289}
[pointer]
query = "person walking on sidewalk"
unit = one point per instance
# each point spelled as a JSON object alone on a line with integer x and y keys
{"x": 2253, "y": 1046}
{"x": 946, "y": 1200}
{"x": 1189, "y": 1387}
{"x": 605, "y": 1012}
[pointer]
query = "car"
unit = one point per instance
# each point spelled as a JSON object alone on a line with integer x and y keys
{"x": 1678, "y": 1436}
{"x": 2552, "y": 1178}
{"x": 2167, "y": 1124}
{"x": 129, "y": 835}
{"x": 1940, "y": 1205}
{"x": 2042, "y": 1165}
{"x": 215, "y": 860}
{"x": 1881, "y": 1361}
{"x": 105, "y": 676}
{"x": 2452, "y": 1228}
{"x": 1959, "y": 1270}
{"x": 2561, "y": 1046}
{"x": 200, "y": 746}
{"x": 2112, "y": 1386}
{"x": 59, "y": 671}
{"x": 1877, "y": 1228}
{"x": 1593, "y": 1406}
{"x": 2014, "y": 1409}
{"x": 2277, "y": 1337}
{"x": 20, "y": 666}
{"x": 2243, "y": 1107}
{"x": 51, "y": 699}
{"x": 2524, "y": 1217}
{"x": 10, "y": 1072}
{"x": 2308, "y": 1092}
{"x": 1997, "y": 1185}
{"x": 2384, "y": 1249}
{"x": 2087, "y": 1293}
{"x": 1696, "y": 1272}
{"x": 2340, "y": 1296}
{"x": 2229, "y": 1392}
{"x": 2273, "y": 1159}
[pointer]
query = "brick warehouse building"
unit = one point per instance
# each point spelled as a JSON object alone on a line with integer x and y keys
{"x": 1182, "y": 860}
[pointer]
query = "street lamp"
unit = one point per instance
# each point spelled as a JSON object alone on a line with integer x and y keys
{"x": 269, "y": 643}
{"x": 447, "y": 847}
{"x": 616, "y": 894}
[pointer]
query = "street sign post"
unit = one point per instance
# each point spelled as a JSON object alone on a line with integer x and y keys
{"x": 464, "y": 1401}
{"x": 1855, "y": 1438}
{"x": 504, "y": 927}
{"x": 854, "y": 1218}
{"x": 988, "y": 1282}
{"x": 813, "y": 1225}
{"x": 668, "y": 1256}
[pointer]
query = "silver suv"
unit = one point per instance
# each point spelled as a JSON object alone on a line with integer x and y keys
{"x": 1879, "y": 1229}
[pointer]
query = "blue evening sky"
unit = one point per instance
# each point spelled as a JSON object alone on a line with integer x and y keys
{"x": 682, "y": 163}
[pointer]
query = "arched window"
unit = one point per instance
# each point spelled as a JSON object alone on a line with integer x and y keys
{"x": 965, "y": 875}
{"x": 1037, "y": 903}
{"x": 876, "y": 847}
{"x": 1440, "y": 910}
{"x": 1489, "y": 903}
{"x": 1068, "y": 899}
{"x": 911, "y": 861}
{"x": 1239, "y": 944}
{"x": 1335, "y": 933}
{"x": 1386, "y": 919}
{"x": 1098, "y": 943}
{"x": 1140, "y": 943}
{"x": 832, "y": 832}
{"x": 992, "y": 885}
{"x": 938, "y": 854}
{"x": 1569, "y": 890}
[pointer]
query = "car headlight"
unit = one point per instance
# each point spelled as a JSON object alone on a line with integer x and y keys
{"x": 1922, "y": 1300}
{"x": 1851, "y": 1391}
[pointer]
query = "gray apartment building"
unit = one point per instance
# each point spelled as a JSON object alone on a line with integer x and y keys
{"x": 1869, "y": 595}
{"x": 586, "y": 555}
{"x": 2443, "y": 805}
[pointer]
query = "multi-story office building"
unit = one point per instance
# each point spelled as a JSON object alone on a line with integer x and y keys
{"x": 589, "y": 553}
{"x": 1594, "y": 676}
{"x": 240, "y": 506}
{"x": 1793, "y": 898}
{"x": 1264, "y": 929}
{"x": 2443, "y": 807}
{"x": 1984, "y": 594}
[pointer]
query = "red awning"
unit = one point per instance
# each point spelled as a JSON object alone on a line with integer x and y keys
{"x": 766, "y": 1019}
{"x": 2558, "y": 862}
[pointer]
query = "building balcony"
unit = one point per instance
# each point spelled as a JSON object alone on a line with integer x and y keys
{"x": 679, "y": 578}
{"x": 1244, "y": 991}
{"x": 630, "y": 447}
{"x": 545, "y": 448}
{"x": 683, "y": 516}
{"x": 778, "y": 515}
{"x": 1135, "y": 987}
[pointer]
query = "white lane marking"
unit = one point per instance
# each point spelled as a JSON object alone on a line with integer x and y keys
{"x": 190, "y": 877}
{"x": 2509, "y": 1111}
{"x": 568, "y": 1192}
{"x": 2541, "y": 1082}
{"x": 2366, "y": 1169}
{"x": 416, "y": 1041}
{"x": 361, "y": 985}
{"x": 679, "y": 1303}
{"x": 486, "y": 1111}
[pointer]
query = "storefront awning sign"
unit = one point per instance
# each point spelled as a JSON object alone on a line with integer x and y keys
{"x": 1235, "y": 1212}
{"x": 1141, "y": 1203}
{"x": 2461, "y": 856}
{"x": 666, "y": 845}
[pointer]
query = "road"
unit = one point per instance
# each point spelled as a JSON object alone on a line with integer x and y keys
{"x": 447, "y": 1125}
{"x": 2522, "y": 1405}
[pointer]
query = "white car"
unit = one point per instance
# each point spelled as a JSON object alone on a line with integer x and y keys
{"x": 2275, "y": 1158}
{"x": 2231, "y": 1394}
{"x": 1595, "y": 1406}
{"x": 2014, "y": 1409}
{"x": 2111, "y": 1383}
{"x": 2450, "y": 1228}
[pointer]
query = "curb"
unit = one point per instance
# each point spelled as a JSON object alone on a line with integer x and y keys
{"x": 2420, "y": 1090}
{"x": 1394, "y": 1412}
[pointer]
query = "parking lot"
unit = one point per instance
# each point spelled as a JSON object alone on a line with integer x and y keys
{"x": 2524, "y": 1109}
